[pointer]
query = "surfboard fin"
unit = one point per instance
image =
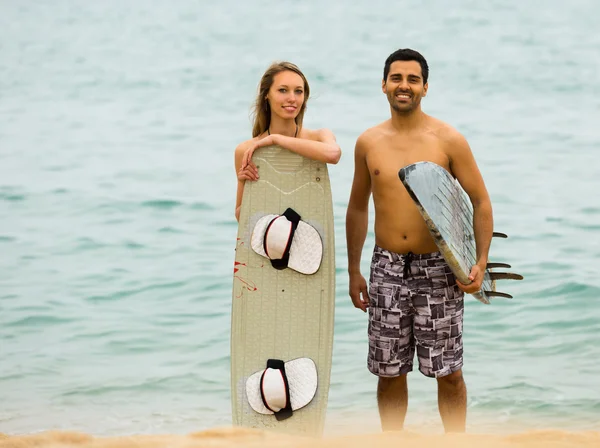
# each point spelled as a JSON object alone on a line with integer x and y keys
{"x": 499, "y": 235}
{"x": 498, "y": 294}
{"x": 505, "y": 276}
{"x": 498, "y": 265}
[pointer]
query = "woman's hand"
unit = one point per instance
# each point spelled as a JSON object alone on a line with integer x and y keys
{"x": 247, "y": 159}
{"x": 248, "y": 173}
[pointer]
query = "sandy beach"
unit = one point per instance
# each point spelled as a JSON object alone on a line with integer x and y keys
{"x": 235, "y": 437}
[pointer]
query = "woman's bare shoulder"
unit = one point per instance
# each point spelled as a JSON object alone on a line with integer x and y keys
{"x": 318, "y": 135}
{"x": 245, "y": 145}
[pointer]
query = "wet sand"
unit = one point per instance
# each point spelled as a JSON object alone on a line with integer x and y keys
{"x": 235, "y": 437}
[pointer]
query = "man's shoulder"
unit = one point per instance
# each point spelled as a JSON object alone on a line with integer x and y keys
{"x": 371, "y": 135}
{"x": 453, "y": 143}
{"x": 446, "y": 132}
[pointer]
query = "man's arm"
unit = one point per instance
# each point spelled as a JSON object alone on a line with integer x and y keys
{"x": 464, "y": 167}
{"x": 357, "y": 222}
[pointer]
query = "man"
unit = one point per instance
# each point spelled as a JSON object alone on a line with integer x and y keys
{"x": 414, "y": 301}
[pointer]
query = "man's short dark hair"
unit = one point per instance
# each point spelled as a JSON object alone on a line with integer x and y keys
{"x": 406, "y": 54}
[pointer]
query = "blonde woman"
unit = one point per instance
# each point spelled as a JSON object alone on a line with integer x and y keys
{"x": 278, "y": 114}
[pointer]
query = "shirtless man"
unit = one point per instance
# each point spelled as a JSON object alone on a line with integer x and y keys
{"x": 413, "y": 299}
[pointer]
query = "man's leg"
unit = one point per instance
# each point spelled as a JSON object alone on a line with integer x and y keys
{"x": 438, "y": 332}
{"x": 452, "y": 401}
{"x": 391, "y": 342}
{"x": 392, "y": 399}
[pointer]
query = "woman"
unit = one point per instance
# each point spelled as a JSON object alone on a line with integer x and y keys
{"x": 278, "y": 114}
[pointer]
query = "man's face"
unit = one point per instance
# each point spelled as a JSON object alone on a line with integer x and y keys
{"x": 404, "y": 86}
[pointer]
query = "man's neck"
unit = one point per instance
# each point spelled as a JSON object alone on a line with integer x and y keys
{"x": 407, "y": 121}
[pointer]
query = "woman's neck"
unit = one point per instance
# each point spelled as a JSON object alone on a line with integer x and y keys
{"x": 288, "y": 128}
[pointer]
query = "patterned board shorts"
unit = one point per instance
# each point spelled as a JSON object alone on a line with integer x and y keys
{"x": 414, "y": 303}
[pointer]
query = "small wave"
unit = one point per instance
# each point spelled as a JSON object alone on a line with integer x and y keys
{"x": 39, "y": 321}
{"x": 575, "y": 224}
{"x": 170, "y": 230}
{"x": 229, "y": 223}
{"x": 32, "y": 308}
{"x": 174, "y": 319}
{"x": 132, "y": 346}
{"x": 9, "y": 296}
{"x": 150, "y": 384}
{"x": 161, "y": 204}
{"x": 116, "y": 221}
{"x": 521, "y": 386}
{"x": 589, "y": 322}
{"x": 103, "y": 390}
{"x": 13, "y": 376}
{"x": 12, "y": 197}
{"x": 86, "y": 243}
{"x": 128, "y": 293}
{"x": 133, "y": 245}
{"x": 201, "y": 206}
{"x": 582, "y": 290}
{"x": 220, "y": 286}
{"x": 586, "y": 226}
{"x": 554, "y": 265}
{"x": 98, "y": 335}
{"x": 590, "y": 210}
{"x": 526, "y": 402}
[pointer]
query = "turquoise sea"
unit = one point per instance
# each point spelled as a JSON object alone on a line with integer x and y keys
{"x": 118, "y": 121}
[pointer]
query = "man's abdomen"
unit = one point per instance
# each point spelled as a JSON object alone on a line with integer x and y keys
{"x": 402, "y": 230}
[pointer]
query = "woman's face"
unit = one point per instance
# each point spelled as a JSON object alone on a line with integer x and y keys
{"x": 286, "y": 94}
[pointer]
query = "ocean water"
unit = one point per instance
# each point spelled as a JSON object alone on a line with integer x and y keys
{"x": 118, "y": 121}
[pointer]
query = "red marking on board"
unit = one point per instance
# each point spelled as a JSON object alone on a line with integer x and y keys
{"x": 248, "y": 285}
{"x": 237, "y": 263}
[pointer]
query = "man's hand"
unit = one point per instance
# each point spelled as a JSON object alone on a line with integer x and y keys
{"x": 358, "y": 291}
{"x": 476, "y": 277}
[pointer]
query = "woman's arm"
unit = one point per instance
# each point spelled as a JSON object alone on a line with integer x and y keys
{"x": 323, "y": 148}
{"x": 242, "y": 175}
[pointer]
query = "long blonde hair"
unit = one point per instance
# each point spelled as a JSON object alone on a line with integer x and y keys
{"x": 262, "y": 110}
